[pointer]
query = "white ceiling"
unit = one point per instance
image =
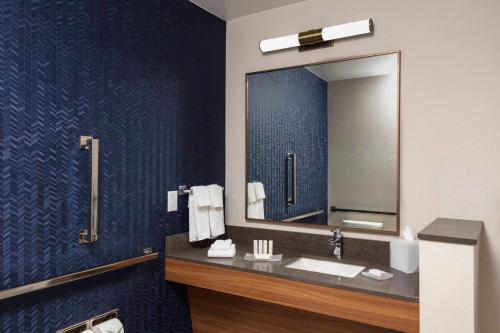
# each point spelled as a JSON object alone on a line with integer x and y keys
{"x": 351, "y": 69}
{"x": 231, "y": 9}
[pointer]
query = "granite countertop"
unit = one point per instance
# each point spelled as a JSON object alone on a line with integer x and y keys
{"x": 456, "y": 231}
{"x": 402, "y": 286}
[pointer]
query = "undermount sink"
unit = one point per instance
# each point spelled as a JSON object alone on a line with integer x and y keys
{"x": 326, "y": 267}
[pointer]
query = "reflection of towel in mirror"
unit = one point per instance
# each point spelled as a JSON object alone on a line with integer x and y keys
{"x": 199, "y": 221}
{"x": 251, "y": 193}
{"x": 255, "y": 205}
{"x": 216, "y": 210}
{"x": 259, "y": 191}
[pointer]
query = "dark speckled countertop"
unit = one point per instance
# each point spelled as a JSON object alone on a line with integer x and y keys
{"x": 402, "y": 286}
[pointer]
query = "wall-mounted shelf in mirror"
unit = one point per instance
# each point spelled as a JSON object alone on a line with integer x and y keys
{"x": 322, "y": 144}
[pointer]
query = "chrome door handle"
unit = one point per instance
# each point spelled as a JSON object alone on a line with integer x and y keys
{"x": 292, "y": 197}
{"x": 89, "y": 143}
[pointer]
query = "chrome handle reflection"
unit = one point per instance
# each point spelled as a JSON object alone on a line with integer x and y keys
{"x": 89, "y": 143}
{"x": 304, "y": 216}
{"x": 291, "y": 196}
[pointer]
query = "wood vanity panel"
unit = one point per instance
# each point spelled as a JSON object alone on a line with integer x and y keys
{"x": 364, "y": 308}
{"x": 213, "y": 312}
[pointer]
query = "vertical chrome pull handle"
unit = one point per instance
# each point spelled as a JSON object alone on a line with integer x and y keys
{"x": 292, "y": 195}
{"x": 89, "y": 143}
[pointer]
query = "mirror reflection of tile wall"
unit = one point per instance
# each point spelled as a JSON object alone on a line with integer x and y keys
{"x": 340, "y": 121}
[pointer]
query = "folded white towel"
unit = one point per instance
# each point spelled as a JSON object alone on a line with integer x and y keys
{"x": 199, "y": 220}
{"x": 201, "y": 195}
{"x": 216, "y": 194}
{"x": 221, "y": 244}
{"x": 111, "y": 326}
{"x": 259, "y": 191}
{"x": 222, "y": 253}
{"x": 251, "y": 193}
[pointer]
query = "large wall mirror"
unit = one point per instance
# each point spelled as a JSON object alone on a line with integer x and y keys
{"x": 323, "y": 144}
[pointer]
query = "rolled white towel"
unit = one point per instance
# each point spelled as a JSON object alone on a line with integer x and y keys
{"x": 221, "y": 244}
{"x": 110, "y": 326}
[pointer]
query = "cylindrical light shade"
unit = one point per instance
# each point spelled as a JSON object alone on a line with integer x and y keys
{"x": 365, "y": 224}
{"x": 347, "y": 30}
{"x": 279, "y": 43}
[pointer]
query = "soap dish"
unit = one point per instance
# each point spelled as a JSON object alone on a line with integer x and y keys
{"x": 251, "y": 257}
{"x": 386, "y": 276}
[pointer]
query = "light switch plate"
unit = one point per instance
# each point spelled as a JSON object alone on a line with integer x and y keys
{"x": 172, "y": 201}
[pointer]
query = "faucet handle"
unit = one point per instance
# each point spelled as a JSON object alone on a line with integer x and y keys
{"x": 337, "y": 232}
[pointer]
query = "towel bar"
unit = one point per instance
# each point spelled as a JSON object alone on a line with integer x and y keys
{"x": 183, "y": 190}
{"x": 4, "y": 294}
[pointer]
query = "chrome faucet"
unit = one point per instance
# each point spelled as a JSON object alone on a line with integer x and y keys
{"x": 337, "y": 241}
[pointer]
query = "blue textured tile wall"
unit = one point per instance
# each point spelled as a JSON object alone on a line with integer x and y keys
{"x": 145, "y": 77}
{"x": 287, "y": 112}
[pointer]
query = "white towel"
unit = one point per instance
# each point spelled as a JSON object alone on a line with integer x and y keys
{"x": 199, "y": 220}
{"x": 201, "y": 195}
{"x": 259, "y": 208}
{"x": 251, "y": 193}
{"x": 222, "y": 253}
{"x": 259, "y": 191}
{"x": 255, "y": 205}
{"x": 216, "y": 211}
{"x": 216, "y": 195}
{"x": 221, "y": 244}
{"x": 109, "y": 326}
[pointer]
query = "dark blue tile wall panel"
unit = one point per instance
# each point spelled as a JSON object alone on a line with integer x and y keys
{"x": 148, "y": 79}
{"x": 287, "y": 112}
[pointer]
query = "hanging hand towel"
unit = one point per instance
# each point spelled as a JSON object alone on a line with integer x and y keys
{"x": 216, "y": 210}
{"x": 199, "y": 222}
{"x": 252, "y": 210}
{"x": 256, "y": 196}
{"x": 259, "y": 191}
{"x": 251, "y": 193}
{"x": 216, "y": 193}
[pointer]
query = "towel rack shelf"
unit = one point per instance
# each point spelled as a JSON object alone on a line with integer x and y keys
{"x": 4, "y": 294}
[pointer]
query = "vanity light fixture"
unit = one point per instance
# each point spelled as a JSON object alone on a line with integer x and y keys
{"x": 317, "y": 37}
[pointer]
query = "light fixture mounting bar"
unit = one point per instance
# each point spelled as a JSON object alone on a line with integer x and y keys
{"x": 308, "y": 39}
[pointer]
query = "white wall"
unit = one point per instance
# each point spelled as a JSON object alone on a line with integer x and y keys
{"x": 450, "y": 107}
{"x": 362, "y": 143}
{"x": 362, "y": 148}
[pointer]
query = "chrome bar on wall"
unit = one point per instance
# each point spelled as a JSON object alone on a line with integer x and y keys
{"x": 303, "y": 216}
{"x": 335, "y": 209}
{"x": 4, "y": 294}
{"x": 291, "y": 196}
{"x": 89, "y": 143}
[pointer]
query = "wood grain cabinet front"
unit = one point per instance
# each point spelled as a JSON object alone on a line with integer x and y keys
{"x": 252, "y": 302}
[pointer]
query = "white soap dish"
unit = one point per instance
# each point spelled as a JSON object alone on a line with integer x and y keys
{"x": 263, "y": 257}
{"x": 385, "y": 276}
